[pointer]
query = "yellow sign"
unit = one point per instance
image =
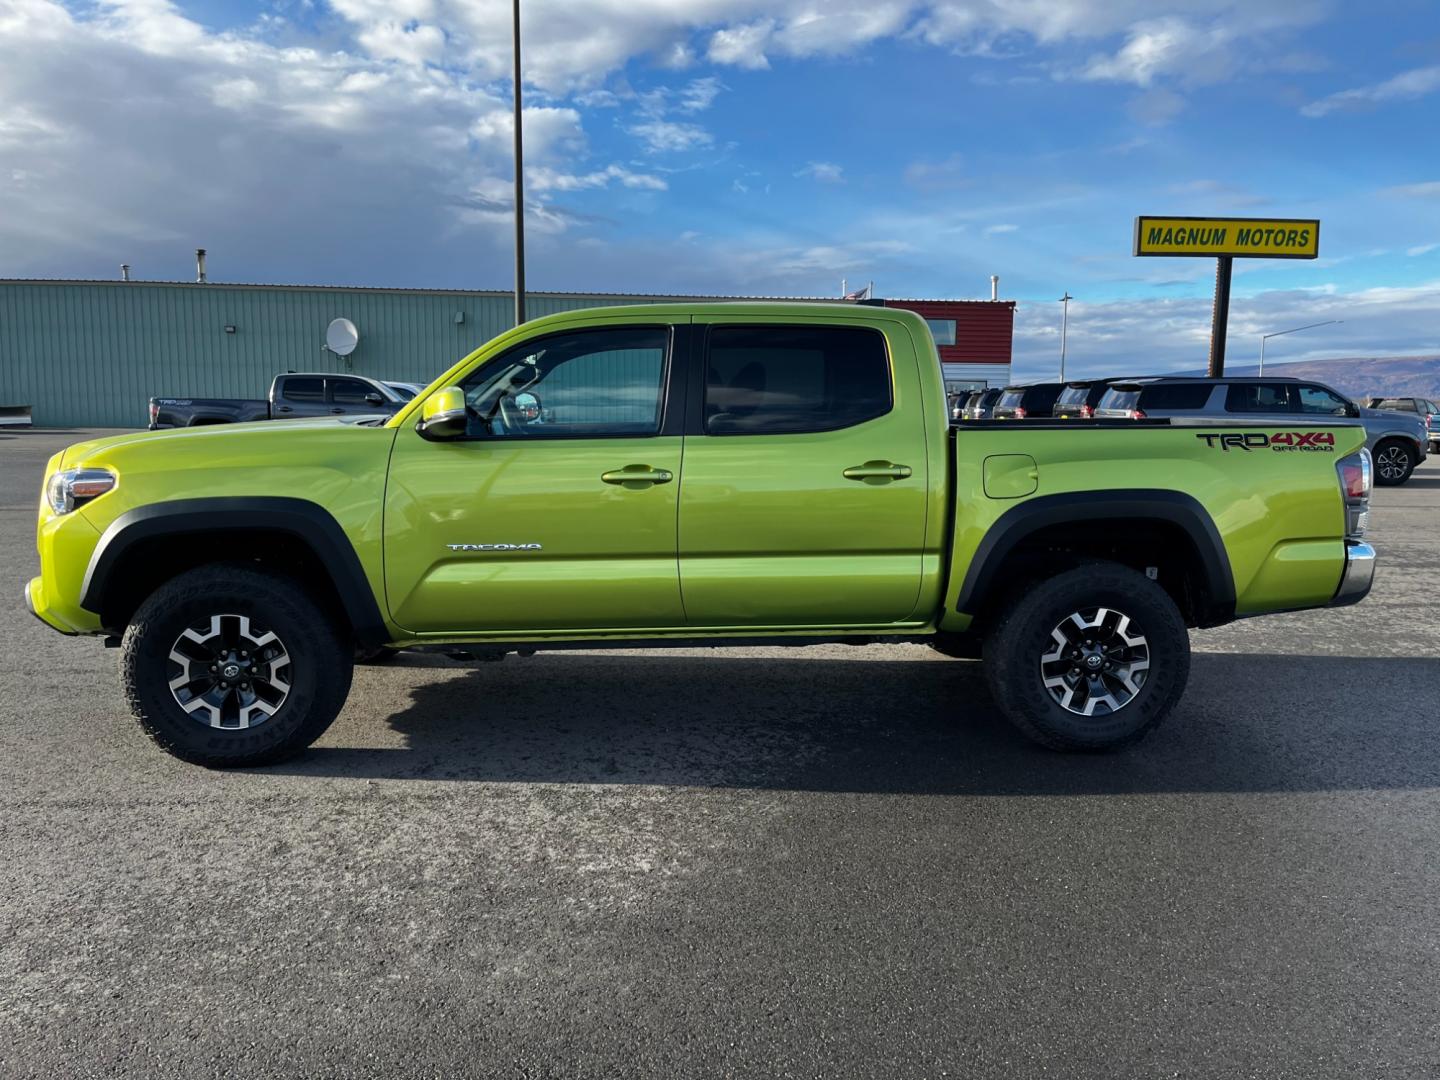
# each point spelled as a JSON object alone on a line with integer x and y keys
{"x": 1254, "y": 238}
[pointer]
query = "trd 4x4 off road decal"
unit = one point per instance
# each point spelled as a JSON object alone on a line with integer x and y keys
{"x": 1322, "y": 442}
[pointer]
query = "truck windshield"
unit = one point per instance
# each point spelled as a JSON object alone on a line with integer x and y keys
{"x": 1010, "y": 399}
{"x": 1073, "y": 395}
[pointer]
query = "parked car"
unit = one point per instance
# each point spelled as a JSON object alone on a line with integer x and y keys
{"x": 1426, "y": 409}
{"x": 292, "y": 395}
{"x": 1397, "y": 442}
{"x": 824, "y": 497}
{"x": 1077, "y": 400}
{"x": 405, "y": 390}
{"x": 1031, "y": 402}
{"x": 981, "y": 405}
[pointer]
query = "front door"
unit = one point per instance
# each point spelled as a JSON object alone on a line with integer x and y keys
{"x": 558, "y": 509}
{"x": 806, "y": 484}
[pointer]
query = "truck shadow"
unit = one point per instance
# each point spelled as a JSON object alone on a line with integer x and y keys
{"x": 1249, "y": 723}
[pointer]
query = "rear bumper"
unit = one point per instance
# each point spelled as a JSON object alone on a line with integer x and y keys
{"x": 1359, "y": 573}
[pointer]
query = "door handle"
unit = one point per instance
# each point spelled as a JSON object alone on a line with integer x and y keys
{"x": 338, "y": 412}
{"x": 876, "y": 472}
{"x": 637, "y": 477}
{"x": 282, "y": 408}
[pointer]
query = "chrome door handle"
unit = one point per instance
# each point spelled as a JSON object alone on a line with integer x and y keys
{"x": 636, "y": 477}
{"x": 876, "y": 472}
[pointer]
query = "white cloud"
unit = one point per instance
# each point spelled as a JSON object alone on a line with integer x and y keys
{"x": 1428, "y": 189}
{"x": 1160, "y": 47}
{"x": 742, "y": 46}
{"x": 548, "y": 179}
{"x": 1406, "y": 86}
{"x": 824, "y": 172}
{"x": 996, "y": 230}
{"x": 1421, "y": 249}
{"x": 670, "y": 136}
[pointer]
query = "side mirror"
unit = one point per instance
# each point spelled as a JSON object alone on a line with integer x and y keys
{"x": 373, "y": 398}
{"x": 443, "y": 415}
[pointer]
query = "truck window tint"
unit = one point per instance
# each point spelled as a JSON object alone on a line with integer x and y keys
{"x": 587, "y": 383}
{"x": 1120, "y": 399}
{"x": 349, "y": 391}
{"x": 1011, "y": 399}
{"x": 1407, "y": 404}
{"x": 1073, "y": 395}
{"x": 303, "y": 389}
{"x": 1257, "y": 398}
{"x": 769, "y": 380}
{"x": 1166, "y": 396}
{"x": 1318, "y": 400}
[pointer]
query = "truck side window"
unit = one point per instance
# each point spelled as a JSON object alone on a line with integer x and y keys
{"x": 303, "y": 389}
{"x": 1316, "y": 399}
{"x": 349, "y": 391}
{"x": 777, "y": 380}
{"x": 572, "y": 385}
{"x": 1166, "y": 396}
{"x": 1257, "y": 398}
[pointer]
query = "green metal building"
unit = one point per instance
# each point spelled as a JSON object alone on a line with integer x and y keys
{"x": 91, "y": 353}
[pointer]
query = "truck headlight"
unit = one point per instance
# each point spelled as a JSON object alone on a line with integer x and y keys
{"x": 75, "y": 487}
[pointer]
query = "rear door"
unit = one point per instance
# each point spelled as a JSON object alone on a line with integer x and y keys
{"x": 805, "y": 479}
{"x": 299, "y": 395}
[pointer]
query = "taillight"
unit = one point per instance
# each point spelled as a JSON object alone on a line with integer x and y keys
{"x": 1356, "y": 475}
{"x": 1087, "y": 413}
{"x": 154, "y": 412}
{"x": 1019, "y": 412}
{"x": 1137, "y": 414}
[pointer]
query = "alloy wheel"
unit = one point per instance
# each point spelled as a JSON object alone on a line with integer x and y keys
{"x": 1098, "y": 662}
{"x": 1392, "y": 462}
{"x": 228, "y": 673}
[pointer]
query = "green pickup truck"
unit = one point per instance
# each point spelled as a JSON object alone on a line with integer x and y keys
{"x": 667, "y": 475}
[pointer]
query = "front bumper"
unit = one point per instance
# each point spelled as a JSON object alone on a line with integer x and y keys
{"x": 42, "y": 611}
{"x": 1359, "y": 574}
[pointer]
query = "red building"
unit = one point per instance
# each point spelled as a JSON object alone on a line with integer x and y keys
{"x": 974, "y": 338}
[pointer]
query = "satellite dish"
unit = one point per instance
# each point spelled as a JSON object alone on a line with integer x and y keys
{"x": 341, "y": 337}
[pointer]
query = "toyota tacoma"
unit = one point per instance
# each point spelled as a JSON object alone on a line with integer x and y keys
{"x": 667, "y": 475}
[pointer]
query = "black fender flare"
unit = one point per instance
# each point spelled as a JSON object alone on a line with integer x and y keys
{"x": 1134, "y": 504}
{"x": 310, "y": 523}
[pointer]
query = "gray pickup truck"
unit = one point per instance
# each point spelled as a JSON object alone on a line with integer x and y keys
{"x": 293, "y": 395}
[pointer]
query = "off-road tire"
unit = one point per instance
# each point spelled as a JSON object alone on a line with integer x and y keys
{"x": 320, "y": 655}
{"x": 1390, "y": 456}
{"x": 1022, "y": 635}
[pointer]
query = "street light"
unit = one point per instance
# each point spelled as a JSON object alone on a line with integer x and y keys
{"x": 1281, "y": 333}
{"x": 519, "y": 181}
{"x": 1064, "y": 326}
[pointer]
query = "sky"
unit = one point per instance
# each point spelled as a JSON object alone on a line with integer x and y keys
{"x": 741, "y": 147}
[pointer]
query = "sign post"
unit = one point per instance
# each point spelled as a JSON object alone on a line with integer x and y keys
{"x": 1225, "y": 240}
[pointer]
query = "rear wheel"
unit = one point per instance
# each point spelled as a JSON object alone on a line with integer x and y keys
{"x": 226, "y": 665}
{"x": 1394, "y": 462}
{"x": 1091, "y": 659}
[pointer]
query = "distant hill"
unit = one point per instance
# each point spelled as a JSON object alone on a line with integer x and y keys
{"x": 1360, "y": 376}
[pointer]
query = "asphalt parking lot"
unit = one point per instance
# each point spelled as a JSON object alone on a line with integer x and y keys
{"x": 752, "y": 862}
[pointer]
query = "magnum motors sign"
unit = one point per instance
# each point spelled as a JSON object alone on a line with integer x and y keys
{"x": 1238, "y": 238}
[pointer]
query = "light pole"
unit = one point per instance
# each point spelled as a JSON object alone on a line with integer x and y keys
{"x": 1281, "y": 333}
{"x": 519, "y": 184}
{"x": 1064, "y": 328}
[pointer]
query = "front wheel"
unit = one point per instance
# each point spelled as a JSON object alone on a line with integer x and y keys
{"x": 226, "y": 665}
{"x": 1394, "y": 462}
{"x": 1091, "y": 659}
